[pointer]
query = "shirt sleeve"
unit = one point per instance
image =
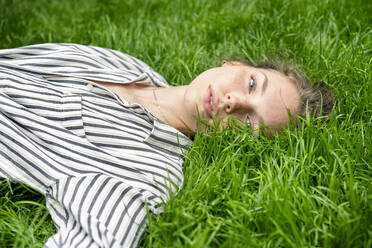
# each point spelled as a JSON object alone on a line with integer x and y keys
{"x": 97, "y": 211}
{"x": 81, "y": 61}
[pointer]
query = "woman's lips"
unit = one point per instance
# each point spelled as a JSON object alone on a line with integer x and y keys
{"x": 209, "y": 102}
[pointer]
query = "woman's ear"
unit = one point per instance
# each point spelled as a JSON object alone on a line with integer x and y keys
{"x": 231, "y": 63}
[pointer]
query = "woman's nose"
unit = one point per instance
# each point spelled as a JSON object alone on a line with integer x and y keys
{"x": 234, "y": 102}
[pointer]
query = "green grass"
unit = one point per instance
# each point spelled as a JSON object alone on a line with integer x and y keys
{"x": 309, "y": 188}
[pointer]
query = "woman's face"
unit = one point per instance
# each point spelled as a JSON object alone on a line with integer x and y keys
{"x": 255, "y": 96}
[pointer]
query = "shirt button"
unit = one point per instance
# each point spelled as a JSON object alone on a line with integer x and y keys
{"x": 90, "y": 87}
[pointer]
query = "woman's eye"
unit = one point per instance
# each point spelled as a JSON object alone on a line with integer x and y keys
{"x": 252, "y": 83}
{"x": 249, "y": 124}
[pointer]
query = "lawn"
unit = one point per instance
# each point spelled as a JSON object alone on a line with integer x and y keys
{"x": 311, "y": 187}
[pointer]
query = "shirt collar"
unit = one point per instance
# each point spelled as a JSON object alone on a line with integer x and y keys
{"x": 168, "y": 139}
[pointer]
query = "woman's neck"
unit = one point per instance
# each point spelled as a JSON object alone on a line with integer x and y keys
{"x": 167, "y": 104}
{"x": 171, "y": 103}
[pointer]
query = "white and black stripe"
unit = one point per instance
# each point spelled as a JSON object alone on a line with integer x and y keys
{"x": 102, "y": 162}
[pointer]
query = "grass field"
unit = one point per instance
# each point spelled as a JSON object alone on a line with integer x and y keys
{"x": 310, "y": 188}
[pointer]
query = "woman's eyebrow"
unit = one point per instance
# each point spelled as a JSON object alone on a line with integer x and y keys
{"x": 259, "y": 120}
{"x": 264, "y": 84}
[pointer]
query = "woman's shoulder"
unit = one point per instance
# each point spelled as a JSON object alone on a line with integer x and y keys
{"x": 83, "y": 56}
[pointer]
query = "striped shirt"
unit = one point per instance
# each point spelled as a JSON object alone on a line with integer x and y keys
{"x": 102, "y": 162}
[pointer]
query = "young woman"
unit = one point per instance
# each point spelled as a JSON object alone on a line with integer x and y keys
{"x": 101, "y": 134}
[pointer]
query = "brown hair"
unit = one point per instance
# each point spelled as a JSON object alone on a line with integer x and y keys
{"x": 315, "y": 98}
